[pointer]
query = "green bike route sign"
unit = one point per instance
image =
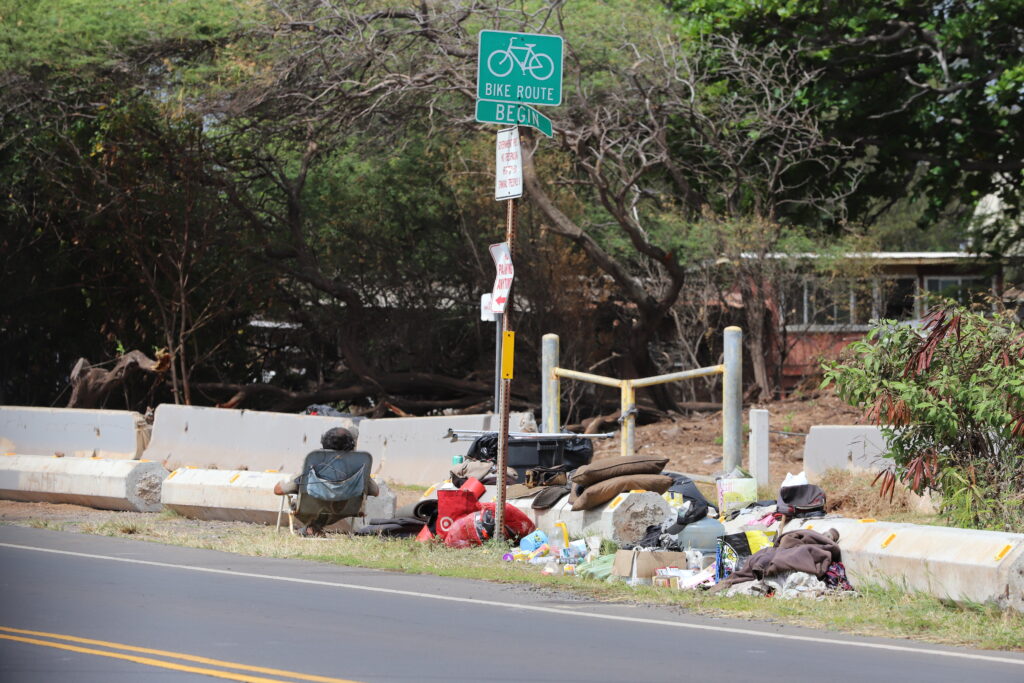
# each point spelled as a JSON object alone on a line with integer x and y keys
{"x": 523, "y": 68}
{"x": 512, "y": 114}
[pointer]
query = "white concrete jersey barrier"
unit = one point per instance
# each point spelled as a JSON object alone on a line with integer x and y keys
{"x": 405, "y": 450}
{"x": 844, "y": 447}
{"x": 245, "y": 496}
{"x": 224, "y": 495}
{"x": 131, "y": 485}
{"x": 958, "y": 564}
{"x": 72, "y": 432}
{"x": 190, "y": 436}
{"x": 413, "y": 450}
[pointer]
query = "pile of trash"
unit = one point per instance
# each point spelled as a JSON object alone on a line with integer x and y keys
{"x": 556, "y": 557}
{"x": 456, "y": 517}
{"x": 736, "y": 544}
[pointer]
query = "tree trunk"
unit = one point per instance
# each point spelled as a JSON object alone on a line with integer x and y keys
{"x": 644, "y": 366}
{"x": 90, "y": 385}
{"x": 758, "y": 340}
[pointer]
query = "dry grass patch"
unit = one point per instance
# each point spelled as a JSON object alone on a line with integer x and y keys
{"x": 851, "y": 494}
{"x": 116, "y": 527}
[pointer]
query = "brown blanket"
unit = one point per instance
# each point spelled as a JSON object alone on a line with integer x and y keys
{"x": 802, "y": 550}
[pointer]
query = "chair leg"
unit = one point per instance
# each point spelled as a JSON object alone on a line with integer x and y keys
{"x": 292, "y": 508}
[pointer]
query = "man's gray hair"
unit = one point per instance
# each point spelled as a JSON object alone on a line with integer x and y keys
{"x": 338, "y": 439}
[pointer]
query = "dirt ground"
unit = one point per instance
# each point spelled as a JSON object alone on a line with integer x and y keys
{"x": 77, "y": 518}
{"x": 693, "y": 444}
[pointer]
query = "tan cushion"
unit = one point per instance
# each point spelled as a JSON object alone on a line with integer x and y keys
{"x": 606, "y": 468}
{"x": 603, "y": 491}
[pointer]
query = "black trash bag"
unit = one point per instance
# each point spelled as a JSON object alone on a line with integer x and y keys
{"x": 485, "y": 447}
{"x": 578, "y": 452}
{"x": 484, "y": 522}
{"x": 396, "y": 527}
{"x": 575, "y": 452}
{"x": 698, "y": 508}
{"x": 805, "y": 500}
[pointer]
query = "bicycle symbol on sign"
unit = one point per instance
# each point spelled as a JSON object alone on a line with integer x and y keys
{"x": 538, "y": 65}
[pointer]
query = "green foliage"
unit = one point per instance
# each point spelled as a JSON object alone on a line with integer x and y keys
{"x": 950, "y": 399}
{"x": 85, "y": 34}
{"x": 916, "y": 86}
{"x": 175, "y": 168}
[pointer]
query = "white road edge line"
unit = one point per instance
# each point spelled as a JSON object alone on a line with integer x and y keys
{"x": 536, "y": 608}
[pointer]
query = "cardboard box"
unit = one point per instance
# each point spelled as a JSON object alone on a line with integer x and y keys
{"x": 666, "y": 582}
{"x": 642, "y": 564}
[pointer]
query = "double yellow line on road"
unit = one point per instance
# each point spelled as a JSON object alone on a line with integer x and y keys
{"x": 23, "y": 636}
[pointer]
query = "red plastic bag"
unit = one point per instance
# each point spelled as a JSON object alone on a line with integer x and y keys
{"x": 453, "y": 506}
{"x": 517, "y": 524}
{"x": 466, "y": 532}
{"x": 478, "y": 527}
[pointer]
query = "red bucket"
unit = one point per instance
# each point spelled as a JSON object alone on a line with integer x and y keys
{"x": 474, "y": 486}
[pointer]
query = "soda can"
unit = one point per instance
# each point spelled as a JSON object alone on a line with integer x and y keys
{"x": 457, "y": 459}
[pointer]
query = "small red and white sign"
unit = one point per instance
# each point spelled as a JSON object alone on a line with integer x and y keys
{"x": 503, "y": 281}
{"x": 508, "y": 176}
{"x": 486, "y": 314}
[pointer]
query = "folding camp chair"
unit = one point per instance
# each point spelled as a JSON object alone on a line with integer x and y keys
{"x": 333, "y": 485}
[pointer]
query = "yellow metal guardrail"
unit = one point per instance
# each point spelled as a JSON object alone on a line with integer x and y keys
{"x": 731, "y": 369}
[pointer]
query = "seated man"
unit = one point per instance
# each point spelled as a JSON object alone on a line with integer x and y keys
{"x": 334, "y": 482}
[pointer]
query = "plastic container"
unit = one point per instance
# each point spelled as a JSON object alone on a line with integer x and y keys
{"x": 702, "y": 535}
{"x": 474, "y": 486}
{"x": 541, "y": 552}
{"x": 532, "y": 541}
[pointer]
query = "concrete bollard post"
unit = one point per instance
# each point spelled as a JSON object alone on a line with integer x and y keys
{"x": 627, "y": 434}
{"x": 550, "y": 390}
{"x": 758, "y": 446}
{"x": 732, "y": 399}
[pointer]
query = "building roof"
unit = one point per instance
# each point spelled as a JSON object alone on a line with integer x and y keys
{"x": 920, "y": 258}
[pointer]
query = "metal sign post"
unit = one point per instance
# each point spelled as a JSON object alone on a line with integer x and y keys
{"x": 513, "y": 70}
{"x": 506, "y": 385}
{"x": 489, "y": 315}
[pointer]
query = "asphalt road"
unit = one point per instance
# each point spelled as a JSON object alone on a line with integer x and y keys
{"x": 87, "y": 608}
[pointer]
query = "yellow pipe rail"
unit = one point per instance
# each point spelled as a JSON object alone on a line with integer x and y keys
{"x": 731, "y": 399}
